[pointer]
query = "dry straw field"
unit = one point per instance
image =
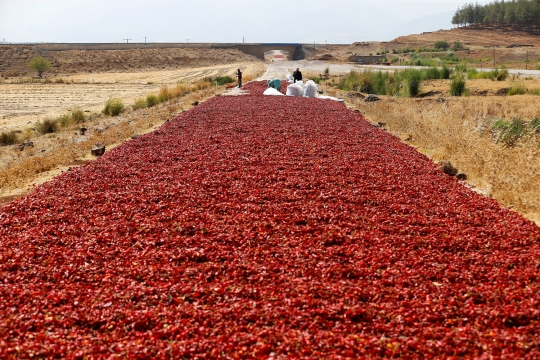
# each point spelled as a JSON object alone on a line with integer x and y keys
{"x": 464, "y": 130}
{"x": 53, "y": 127}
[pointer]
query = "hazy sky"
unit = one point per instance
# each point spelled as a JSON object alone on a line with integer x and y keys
{"x": 337, "y": 21}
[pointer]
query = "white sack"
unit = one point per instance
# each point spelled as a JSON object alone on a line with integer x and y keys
{"x": 310, "y": 90}
{"x": 295, "y": 90}
{"x": 272, "y": 92}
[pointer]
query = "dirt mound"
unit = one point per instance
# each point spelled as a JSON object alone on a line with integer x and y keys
{"x": 470, "y": 37}
{"x": 14, "y": 59}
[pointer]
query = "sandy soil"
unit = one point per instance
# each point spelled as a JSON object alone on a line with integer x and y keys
{"x": 23, "y": 104}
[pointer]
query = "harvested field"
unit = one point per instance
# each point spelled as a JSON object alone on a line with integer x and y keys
{"x": 256, "y": 226}
{"x": 21, "y": 104}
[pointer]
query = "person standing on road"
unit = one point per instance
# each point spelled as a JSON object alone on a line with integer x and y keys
{"x": 239, "y": 76}
{"x": 297, "y": 75}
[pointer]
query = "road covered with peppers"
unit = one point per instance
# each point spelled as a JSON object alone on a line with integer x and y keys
{"x": 256, "y": 226}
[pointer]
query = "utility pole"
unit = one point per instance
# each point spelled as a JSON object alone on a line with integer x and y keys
{"x": 314, "y": 50}
{"x": 127, "y": 41}
{"x": 145, "y": 37}
{"x": 243, "y": 39}
{"x": 187, "y": 41}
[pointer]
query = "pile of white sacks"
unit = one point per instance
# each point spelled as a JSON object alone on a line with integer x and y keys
{"x": 309, "y": 89}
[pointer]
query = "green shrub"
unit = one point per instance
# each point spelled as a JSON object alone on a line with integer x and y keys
{"x": 152, "y": 100}
{"x": 461, "y": 67}
{"x": 446, "y": 72}
{"x": 509, "y": 133}
{"x": 517, "y": 88}
{"x": 442, "y": 45}
{"x": 457, "y": 45}
{"x": 432, "y": 73}
{"x": 534, "y": 125}
{"x": 164, "y": 94}
{"x": 219, "y": 80}
{"x": 413, "y": 78}
{"x": 40, "y": 64}
{"x": 380, "y": 81}
{"x": 48, "y": 126}
{"x": 8, "y": 138}
{"x": 457, "y": 86}
{"x": 358, "y": 81}
{"x": 140, "y": 104}
{"x": 65, "y": 120}
{"x": 535, "y": 92}
{"x": 77, "y": 116}
{"x": 394, "y": 60}
{"x": 114, "y": 107}
{"x": 501, "y": 75}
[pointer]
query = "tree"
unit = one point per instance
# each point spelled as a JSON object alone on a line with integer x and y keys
{"x": 40, "y": 64}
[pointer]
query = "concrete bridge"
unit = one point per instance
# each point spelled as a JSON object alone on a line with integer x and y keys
{"x": 257, "y": 50}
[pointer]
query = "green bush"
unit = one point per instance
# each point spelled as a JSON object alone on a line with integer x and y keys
{"x": 432, "y": 73}
{"x": 534, "y": 125}
{"x": 457, "y": 45}
{"x": 517, "y": 88}
{"x": 8, "y": 138}
{"x": 380, "y": 81}
{"x": 509, "y": 133}
{"x": 152, "y": 100}
{"x": 140, "y": 104}
{"x": 457, "y": 86}
{"x": 446, "y": 72}
{"x": 358, "y": 81}
{"x": 48, "y": 126}
{"x": 78, "y": 116}
{"x": 413, "y": 78}
{"x": 442, "y": 45}
{"x": 114, "y": 107}
{"x": 40, "y": 64}
{"x": 219, "y": 80}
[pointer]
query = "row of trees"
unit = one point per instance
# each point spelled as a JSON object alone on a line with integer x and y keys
{"x": 515, "y": 13}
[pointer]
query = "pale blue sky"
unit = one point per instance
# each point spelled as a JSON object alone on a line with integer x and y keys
{"x": 338, "y": 21}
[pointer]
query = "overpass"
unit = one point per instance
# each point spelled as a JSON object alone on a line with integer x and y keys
{"x": 255, "y": 49}
{"x": 258, "y": 50}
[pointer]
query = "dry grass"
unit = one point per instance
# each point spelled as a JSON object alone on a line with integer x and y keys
{"x": 65, "y": 149}
{"x": 460, "y": 130}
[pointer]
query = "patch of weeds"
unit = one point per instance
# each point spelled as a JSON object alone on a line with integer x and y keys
{"x": 152, "y": 100}
{"x": 534, "y": 125}
{"x": 458, "y": 85}
{"x": 508, "y": 133}
{"x": 140, "y": 104}
{"x": 517, "y": 88}
{"x": 9, "y": 138}
{"x": 165, "y": 94}
{"x": 114, "y": 107}
{"x": 48, "y": 126}
{"x": 446, "y": 72}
